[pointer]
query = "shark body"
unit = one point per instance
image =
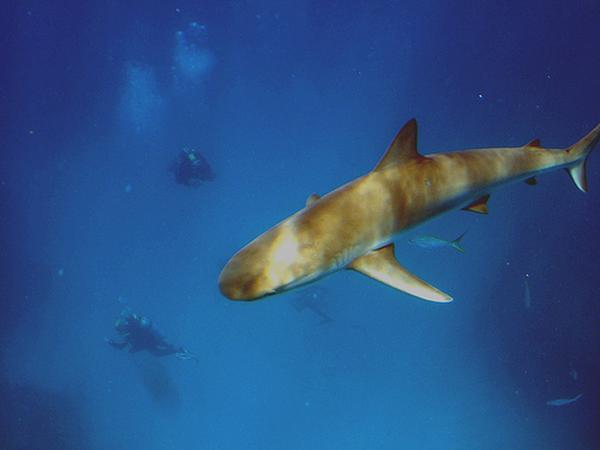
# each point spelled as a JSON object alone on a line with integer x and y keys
{"x": 352, "y": 227}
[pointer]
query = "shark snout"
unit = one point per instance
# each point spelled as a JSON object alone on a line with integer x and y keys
{"x": 228, "y": 285}
{"x": 241, "y": 279}
{"x": 265, "y": 266}
{"x": 231, "y": 284}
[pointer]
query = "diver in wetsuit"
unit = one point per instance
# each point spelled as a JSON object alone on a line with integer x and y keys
{"x": 311, "y": 298}
{"x": 138, "y": 334}
{"x": 191, "y": 168}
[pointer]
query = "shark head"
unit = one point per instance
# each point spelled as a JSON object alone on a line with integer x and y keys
{"x": 274, "y": 262}
{"x": 243, "y": 277}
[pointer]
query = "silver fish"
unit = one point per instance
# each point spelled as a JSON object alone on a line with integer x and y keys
{"x": 563, "y": 401}
{"x": 432, "y": 242}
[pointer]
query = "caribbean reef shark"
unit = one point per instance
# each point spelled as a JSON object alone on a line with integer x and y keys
{"x": 352, "y": 227}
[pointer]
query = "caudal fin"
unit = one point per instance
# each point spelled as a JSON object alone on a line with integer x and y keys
{"x": 456, "y": 243}
{"x": 580, "y": 151}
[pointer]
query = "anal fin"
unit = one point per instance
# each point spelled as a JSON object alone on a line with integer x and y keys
{"x": 479, "y": 206}
{"x": 381, "y": 265}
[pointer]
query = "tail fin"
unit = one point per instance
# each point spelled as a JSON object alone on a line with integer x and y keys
{"x": 456, "y": 243}
{"x": 581, "y": 150}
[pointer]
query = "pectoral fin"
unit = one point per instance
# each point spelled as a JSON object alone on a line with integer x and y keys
{"x": 382, "y": 265}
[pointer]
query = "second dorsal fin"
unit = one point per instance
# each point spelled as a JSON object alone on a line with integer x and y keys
{"x": 312, "y": 198}
{"x": 402, "y": 148}
{"x": 534, "y": 143}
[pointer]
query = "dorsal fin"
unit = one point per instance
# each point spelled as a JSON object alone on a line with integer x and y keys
{"x": 311, "y": 199}
{"x": 402, "y": 148}
{"x": 534, "y": 143}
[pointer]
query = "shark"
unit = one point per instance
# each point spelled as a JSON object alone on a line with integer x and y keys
{"x": 353, "y": 226}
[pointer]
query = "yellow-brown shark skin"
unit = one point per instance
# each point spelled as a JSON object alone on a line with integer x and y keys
{"x": 366, "y": 213}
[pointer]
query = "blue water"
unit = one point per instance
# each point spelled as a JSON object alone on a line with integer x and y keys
{"x": 285, "y": 99}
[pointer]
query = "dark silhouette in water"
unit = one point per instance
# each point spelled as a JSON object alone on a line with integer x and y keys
{"x": 158, "y": 383}
{"x": 139, "y": 334}
{"x": 35, "y": 418}
{"x": 191, "y": 168}
{"x": 23, "y": 278}
{"x": 312, "y": 298}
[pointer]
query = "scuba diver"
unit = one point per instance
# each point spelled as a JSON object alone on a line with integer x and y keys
{"x": 191, "y": 168}
{"x": 311, "y": 298}
{"x": 138, "y": 334}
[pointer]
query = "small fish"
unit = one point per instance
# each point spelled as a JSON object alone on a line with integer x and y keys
{"x": 527, "y": 296}
{"x": 563, "y": 401}
{"x": 432, "y": 242}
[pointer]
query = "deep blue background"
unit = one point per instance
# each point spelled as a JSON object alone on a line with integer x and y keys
{"x": 286, "y": 99}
